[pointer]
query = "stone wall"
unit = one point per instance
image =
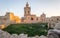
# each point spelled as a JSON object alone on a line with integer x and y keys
{"x": 4, "y": 34}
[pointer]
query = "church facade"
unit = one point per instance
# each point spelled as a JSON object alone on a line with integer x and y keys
{"x": 29, "y": 18}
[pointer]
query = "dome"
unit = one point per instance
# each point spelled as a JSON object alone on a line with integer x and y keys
{"x": 43, "y": 14}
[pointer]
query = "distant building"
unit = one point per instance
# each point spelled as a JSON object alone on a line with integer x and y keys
{"x": 10, "y": 18}
{"x": 29, "y": 18}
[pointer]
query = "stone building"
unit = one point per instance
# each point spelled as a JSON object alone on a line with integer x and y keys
{"x": 12, "y": 18}
{"x": 9, "y": 18}
{"x": 29, "y": 18}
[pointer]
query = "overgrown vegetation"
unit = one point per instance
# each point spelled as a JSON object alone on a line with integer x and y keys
{"x": 30, "y": 29}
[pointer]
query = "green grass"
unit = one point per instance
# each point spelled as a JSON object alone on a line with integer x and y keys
{"x": 30, "y": 29}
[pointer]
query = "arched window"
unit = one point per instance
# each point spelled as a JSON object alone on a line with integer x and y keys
{"x": 31, "y": 18}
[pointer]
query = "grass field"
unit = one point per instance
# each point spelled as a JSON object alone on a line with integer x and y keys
{"x": 30, "y": 29}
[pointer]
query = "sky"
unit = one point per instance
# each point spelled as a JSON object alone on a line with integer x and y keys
{"x": 49, "y": 7}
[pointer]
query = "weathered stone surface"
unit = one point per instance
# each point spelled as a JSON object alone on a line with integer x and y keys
{"x": 4, "y": 34}
{"x": 14, "y": 36}
{"x": 22, "y": 36}
{"x": 42, "y": 36}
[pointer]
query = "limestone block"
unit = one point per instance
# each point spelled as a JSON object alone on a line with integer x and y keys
{"x": 14, "y": 36}
{"x": 6, "y": 35}
{"x": 42, "y": 36}
{"x": 22, "y": 36}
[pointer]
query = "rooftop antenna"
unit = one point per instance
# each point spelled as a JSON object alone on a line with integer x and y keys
{"x": 0, "y": 12}
{"x": 27, "y": 0}
{"x": 7, "y": 10}
{"x": 43, "y": 10}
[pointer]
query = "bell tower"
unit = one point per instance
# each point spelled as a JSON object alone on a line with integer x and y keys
{"x": 27, "y": 9}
